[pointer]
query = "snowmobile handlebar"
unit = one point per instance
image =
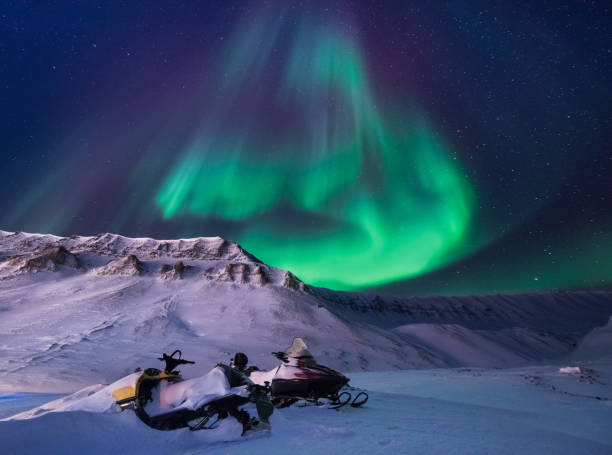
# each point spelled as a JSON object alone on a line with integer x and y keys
{"x": 172, "y": 362}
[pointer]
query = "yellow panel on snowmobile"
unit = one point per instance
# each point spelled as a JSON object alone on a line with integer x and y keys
{"x": 164, "y": 375}
{"x": 124, "y": 393}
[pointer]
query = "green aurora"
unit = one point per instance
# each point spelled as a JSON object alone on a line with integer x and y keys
{"x": 379, "y": 195}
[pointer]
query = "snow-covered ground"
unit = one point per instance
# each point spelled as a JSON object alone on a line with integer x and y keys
{"x": 82, "y": 311}
{"x": 533, "y": 410}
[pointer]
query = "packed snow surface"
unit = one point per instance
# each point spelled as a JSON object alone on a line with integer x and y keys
{"x": 532, "y": 410}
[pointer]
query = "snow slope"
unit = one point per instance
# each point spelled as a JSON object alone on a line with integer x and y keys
{"x": 82, "y": 310}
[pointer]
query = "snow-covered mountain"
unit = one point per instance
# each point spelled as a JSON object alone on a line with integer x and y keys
{"x": 109, "y": 304}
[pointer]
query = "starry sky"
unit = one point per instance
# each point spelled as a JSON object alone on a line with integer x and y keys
{"x": 397, "y": 147}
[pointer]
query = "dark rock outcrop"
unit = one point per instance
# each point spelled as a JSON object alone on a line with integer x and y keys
{"x": 292, "y": 282}
{"x": 127, "y": 266}
{"x": 238, "y": 273}
{"x": 44, "y": 258}
{"x": 173, "y": 272}
{"x": 259, "y": 277}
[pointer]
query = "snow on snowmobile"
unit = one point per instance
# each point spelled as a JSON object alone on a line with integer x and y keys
{"x": 163, "y": 400}
{"x": 300, "y": 378}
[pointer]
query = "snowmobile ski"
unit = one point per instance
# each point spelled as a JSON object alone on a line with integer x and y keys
{"x": 359, "y": 400}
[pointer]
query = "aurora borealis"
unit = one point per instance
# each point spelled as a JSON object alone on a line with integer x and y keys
{"x": 452, "y": 148}
{"x": 343, "y": 166}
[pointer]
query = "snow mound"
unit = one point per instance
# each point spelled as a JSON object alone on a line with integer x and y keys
{"x": 570, "y": 370}
{"x": 95, "y": 398}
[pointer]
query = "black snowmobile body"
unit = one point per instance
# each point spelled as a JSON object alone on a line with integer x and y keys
{"x": 181, "y": 418}
{"x": 307, "y": 379}
{"x": 300, "y": 378}
{"x": 142, "y": 394}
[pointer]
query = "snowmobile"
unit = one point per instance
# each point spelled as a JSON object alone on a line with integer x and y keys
{"x": 299, "y": 378}
{"x": 163, "y": 400}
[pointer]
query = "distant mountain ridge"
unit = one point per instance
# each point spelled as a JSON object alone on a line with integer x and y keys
{"x": 118, "y": 245}
{"x": 220, "y": 259}
{"x": 110, "y": 303}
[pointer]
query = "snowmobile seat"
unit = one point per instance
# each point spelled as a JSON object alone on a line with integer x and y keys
{"x": 234, "y": 377}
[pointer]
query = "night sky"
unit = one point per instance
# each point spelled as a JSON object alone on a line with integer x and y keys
{"x": 409, "y": 147}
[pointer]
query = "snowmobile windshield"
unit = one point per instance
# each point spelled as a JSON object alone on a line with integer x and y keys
{"x": 298, "y": 350}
